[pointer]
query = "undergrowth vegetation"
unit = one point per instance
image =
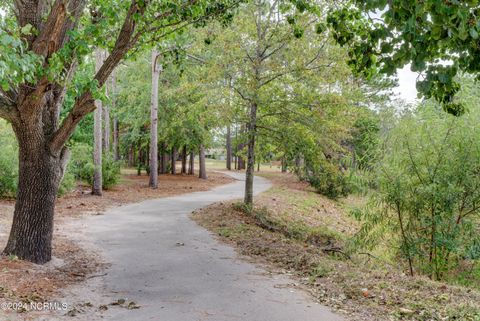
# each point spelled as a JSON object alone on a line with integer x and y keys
{"x": 425, "y": 207}
{"x": 80, "y": 166}
{"x": 293, "y": 228}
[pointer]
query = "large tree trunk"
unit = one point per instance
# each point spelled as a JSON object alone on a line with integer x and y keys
{"x": 174, "y": 161}
{"x": 251, "y": 132}
{"x": 40, "y": 174}
{"x": 202, "y": 171}
{"x": 191, "y": 167}
{"x": 153, "y": 122}
{"x": 229, "y": 148}
{"x": 97, "y": 135}
{"x": 184, "y": 160}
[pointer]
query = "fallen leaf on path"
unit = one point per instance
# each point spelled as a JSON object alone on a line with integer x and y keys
{"x": 132, "y": 305}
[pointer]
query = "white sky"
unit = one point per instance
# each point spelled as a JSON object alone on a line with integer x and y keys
{"x": 406, "y": 84}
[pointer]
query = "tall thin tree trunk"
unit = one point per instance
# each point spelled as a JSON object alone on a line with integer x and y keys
{"x": 240, "y": 147}
{"x": 284, "y": 165}
{"x": 191, "y": 167}
{"x": 106, "y": 127}
{"x": 131, "y": 156}
{"x": 236, "y": 146}
{"x": 251, "y": 132}
{"x": 153, "y": 122}
{"x": 202, "y": 171}
{"x": 116, "y": 143}
{"x": 167, "y": 156}
{"x": 174, "y": 161}
{"x": 163, "y": 159}
{"x": 229, "y": 148}
{"x": 240, "y": 163}
{"x": 97, "y": 135}
{"x": 184, "y": 159}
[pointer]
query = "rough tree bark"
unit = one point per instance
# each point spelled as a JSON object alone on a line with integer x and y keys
{"x": 184, "y": 159}
{"x": 39, "y": 177}
{"x": 154, "y": 121}
{"x": 97, "y": 135}
{"x": 191, "y": 164}
{"x": 202, "y": 173}
{"x": 229, "y": 148}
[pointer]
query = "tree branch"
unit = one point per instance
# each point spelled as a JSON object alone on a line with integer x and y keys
{"x": 85, "y": 103}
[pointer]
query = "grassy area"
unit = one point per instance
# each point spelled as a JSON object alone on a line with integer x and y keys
{"x": 211, "y": 164}
{"x": 295, "y": 230}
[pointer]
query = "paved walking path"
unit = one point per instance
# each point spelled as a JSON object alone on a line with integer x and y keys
{"x": 177, "y": 271}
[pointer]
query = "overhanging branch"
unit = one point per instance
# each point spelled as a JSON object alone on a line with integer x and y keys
{"x": 85, "y": 103}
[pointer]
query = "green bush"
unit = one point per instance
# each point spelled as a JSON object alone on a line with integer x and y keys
{"x": 111, "y": 172}
{"x": 428, "y": 185}
{"x": 82, "y": 166}
{"x": 327, "y": 179}
{"x": 8, "y": 161}
{"x": 68, "y": 182}
{"x": 8, "y": 172}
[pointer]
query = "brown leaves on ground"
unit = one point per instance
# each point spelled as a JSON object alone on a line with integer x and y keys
{"x": 363, "y": 287}
{"x": 25, "y": 281}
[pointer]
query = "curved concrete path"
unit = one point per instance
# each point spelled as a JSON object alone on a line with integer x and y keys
{"x": 176, "y": 270}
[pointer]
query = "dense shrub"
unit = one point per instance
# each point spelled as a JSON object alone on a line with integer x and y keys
{"x": 365, "y": 142}
{"x": 428, "y": 188}
{"x": 8, "y": 166}
{"x": 8, "y": 161}
{"x": 82, "y": 166}
{"x": 327, "y": 179}
{"x": 68, "y": 182}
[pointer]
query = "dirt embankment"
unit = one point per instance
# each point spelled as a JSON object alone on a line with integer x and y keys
{"x": 296, "y": 231}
